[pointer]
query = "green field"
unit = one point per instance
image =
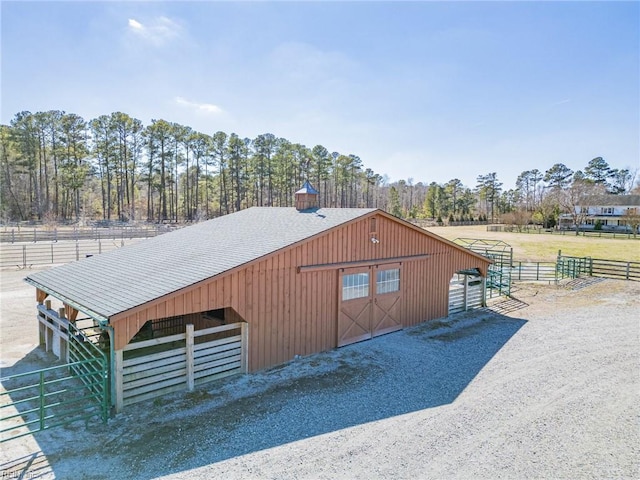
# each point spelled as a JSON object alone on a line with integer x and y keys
{"x": 543, "y": 247}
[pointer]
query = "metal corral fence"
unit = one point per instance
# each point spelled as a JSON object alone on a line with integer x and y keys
{"x": 59, "y": 395}
{"x": 534, "y": 272}
{"x": 598, "y": 267}
{"x": 533, "y": 229}
{"x": 34, "y": 235}
{"x": 572, "y": 267}
{"x": 38, "y": 254}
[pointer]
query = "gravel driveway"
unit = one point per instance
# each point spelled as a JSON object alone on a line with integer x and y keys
{"x": 547, "y": 388}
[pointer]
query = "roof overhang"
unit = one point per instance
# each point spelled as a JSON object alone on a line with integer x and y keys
{"x": 101, "y": 319}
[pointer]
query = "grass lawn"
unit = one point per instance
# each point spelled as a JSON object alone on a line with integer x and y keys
{"x": 543, "y": 247}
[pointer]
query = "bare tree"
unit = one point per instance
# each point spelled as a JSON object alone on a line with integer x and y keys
{"x": 575, "y": 200}
{"x": 632, "y": 219}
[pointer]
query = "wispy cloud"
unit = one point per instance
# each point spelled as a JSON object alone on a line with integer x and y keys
{"x": 561, "y": 102}
{"x": 135, "y": 25}
{"x": 207, "y": 108}
{"x": 157, "y": 31}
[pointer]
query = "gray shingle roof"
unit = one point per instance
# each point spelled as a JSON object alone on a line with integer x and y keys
{"x": 612, "y": 200}
{"x": 117, "y": 281}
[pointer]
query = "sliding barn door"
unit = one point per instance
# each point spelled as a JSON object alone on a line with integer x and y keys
{"x": 387, "y": 304}
{"x": 354, "y": 316}
{"x": 370, "y": 303}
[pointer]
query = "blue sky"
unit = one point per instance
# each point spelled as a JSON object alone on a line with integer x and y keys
{"x": 424, "y": 90}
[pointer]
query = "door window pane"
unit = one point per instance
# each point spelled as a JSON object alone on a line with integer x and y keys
{"x": 355, "y": 286}
{"x": 388, "y": 281}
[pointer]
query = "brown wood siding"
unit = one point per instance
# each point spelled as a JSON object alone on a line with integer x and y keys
{"x": 291, "y": 313}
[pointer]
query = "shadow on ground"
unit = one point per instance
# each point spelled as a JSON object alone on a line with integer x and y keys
{"x": 415, "y": 369}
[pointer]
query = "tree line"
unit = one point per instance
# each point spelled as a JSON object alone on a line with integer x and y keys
{"x": 59, "y": 167}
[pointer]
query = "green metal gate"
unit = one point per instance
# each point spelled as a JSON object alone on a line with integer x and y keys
{"x": 59, "y": 395}
{"x": 499, "y": 272}
{"x": 573, "y": 267}
{"x": 498, "y": 281}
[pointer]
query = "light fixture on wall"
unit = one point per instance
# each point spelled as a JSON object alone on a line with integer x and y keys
{"x": 374, "y": 240}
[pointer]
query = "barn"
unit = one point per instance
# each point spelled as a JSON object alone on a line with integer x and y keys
{"x": 247, "y": 291}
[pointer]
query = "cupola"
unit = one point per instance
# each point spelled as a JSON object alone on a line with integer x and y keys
{"x": 306, "y": 198}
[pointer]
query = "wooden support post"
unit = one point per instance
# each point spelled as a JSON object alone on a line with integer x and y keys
{"x": 244, "y": 342}
{"x": 49, "y": 339}
{"x": 190, "y": 366}
{"x": 40, "y": 296}
{"x": 71, "y": 313}
{"x": 119, "y": 376}
{"x": 57, "y": 334}
{"x": 47, "y": 304}
{"x": 64, "y": 349}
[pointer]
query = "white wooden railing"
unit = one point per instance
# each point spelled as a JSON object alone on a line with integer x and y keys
{"x": 54, "y": 329}
{"x": 466, "y": 294}
{"x": 150, "y": 375}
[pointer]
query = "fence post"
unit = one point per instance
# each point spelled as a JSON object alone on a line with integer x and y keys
{"x": 628, "y": 270}
{"x": 484, "y": 291}
{"x": 24, "y": 256}
{"x": 190, "y": 366}
{"x": 77, "y": 251}
{"x": 465, "y": 292}
{"x": 52, "y": 253}
{"x": 519, "y": 270}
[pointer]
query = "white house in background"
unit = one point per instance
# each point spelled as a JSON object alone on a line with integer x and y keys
{"x": 612, "y": 212}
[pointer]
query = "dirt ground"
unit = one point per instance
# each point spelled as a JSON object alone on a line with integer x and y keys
{"x": 543, "y": 385}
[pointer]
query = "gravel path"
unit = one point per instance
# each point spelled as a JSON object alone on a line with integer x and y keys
{"x": 548, "y": 388}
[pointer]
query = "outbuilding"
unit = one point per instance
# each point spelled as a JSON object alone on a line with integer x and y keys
{"x": 253, "y": 289}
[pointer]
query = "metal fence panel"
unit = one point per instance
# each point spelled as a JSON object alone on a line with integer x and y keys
{"x": 534, "y": 271}
{"x": 35, "y": 235}
{"x": 27, "y": 255}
